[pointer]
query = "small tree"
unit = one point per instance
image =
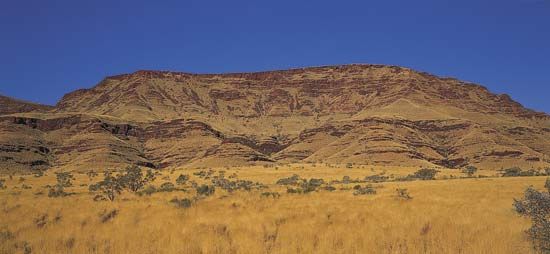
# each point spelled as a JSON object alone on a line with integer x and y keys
{"x": 469, "y": 170}
{"x": 109, "y": 187}
{"x": 425, "y": 174}
{"x": 536, "y": 205}
{"x": 134, "y": 180}
{"x": 63, "y": 180}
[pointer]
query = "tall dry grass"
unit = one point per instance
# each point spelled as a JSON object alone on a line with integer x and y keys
{"x": 444, "y": 216}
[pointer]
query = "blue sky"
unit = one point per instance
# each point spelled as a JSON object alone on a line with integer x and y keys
{"x": 49, "y": 48}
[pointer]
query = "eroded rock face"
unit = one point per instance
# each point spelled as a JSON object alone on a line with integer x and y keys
{"x": 366, "y": 114}
{"x": 9, "y": 106}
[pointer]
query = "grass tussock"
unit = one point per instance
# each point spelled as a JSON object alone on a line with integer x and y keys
{"x": 445, "y": 216}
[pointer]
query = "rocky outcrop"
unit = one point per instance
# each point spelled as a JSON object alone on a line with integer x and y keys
{"x": 9, "y": 106}
{"x": 366, "y": 114}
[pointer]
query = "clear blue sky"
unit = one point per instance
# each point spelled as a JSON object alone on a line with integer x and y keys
{"x": 50, "y": 47}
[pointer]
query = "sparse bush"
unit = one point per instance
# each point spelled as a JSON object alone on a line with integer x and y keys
{"x": 182, "y": 179}
{"x": 376, "y": 178}
{"x": 109, "y": 187}
{"x": 293, "y": 180}
{"x": 403, "y": 193}
{"x": 536, "y": 205}
{"x": 329, "y": 188}
{"x": 367, "y": 190}
{"x": 167, "y": 187}
{"x": 469, "y": 170}
{"x": 311, "y": 185}
{"x": 148, "y": 190}
{"x": 56, "y": 192}
{"x": 134, "y": 180}
{"x": 204, "y": 174}
{"x": 516, "y": 171}
{"x": 63, "y": 180}
{"x": 182, "y": 203}
{"x": 511, "y": 172}
{"x": 293, "y": 191}
{"x": 346, "y": 180}
{"x": 205, "y": 190}
{"x": 424, "y": 174}
{"x": 2, "y": 184}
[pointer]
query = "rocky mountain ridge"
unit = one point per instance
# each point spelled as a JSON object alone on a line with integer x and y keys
{"x": 364, "y": 114}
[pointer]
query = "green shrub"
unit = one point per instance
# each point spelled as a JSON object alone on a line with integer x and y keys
{"x": 536, "y": 206}
{"x": 367, "y": 190}
{"x": 376, "y": 178}
{"x": 205, "y": 190}
{"x": 167, "y": 187}
{"x": 148, "y": 190}
{"x": 516, "y": 171}
{"x": 293, "y": 180}
{"x": 469, "y": 170}
{"x": 109, "y": 187}
{"x": 311, "y": 185}
{"x": 64, "y": 179}
{"x": 424, "y": 174}
{"x": 133, "y": 179}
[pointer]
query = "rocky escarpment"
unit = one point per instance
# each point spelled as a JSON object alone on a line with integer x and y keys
{"x": 9, "y": 106}
{"x": 365, "y": 114}
{"x": 86, "y": 142}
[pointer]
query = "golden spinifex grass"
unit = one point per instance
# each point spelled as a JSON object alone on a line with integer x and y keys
{"x": 444, "y": 216}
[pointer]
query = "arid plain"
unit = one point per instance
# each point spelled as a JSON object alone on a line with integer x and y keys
{"x": 333, "y": 159}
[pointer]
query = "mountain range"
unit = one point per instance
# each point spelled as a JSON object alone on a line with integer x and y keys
{"x": 360, "y": 113}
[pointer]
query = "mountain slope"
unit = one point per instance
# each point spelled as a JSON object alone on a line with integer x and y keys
{"x": 10, "y": 106}
{"x": 367, "y": 114}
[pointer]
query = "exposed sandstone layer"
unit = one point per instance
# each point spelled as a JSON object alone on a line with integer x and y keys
{"x": 366, "y": 114}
